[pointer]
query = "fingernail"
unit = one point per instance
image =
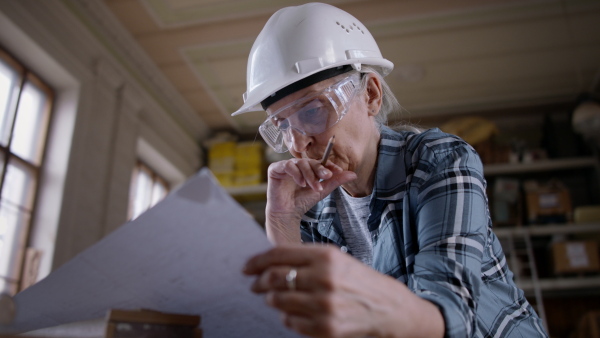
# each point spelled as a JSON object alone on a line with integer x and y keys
{"x": 323, "y": 172}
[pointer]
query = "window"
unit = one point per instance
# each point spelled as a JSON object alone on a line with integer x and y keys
{"x": 147, "y": 189}
{"x": 25, "y": 106}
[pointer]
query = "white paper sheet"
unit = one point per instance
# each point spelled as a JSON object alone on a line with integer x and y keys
{"x": 185, "y": 255}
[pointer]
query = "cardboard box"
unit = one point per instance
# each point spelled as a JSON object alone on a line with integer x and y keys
{"x": 549, "y": 204}
{"x": 575, "y": 257}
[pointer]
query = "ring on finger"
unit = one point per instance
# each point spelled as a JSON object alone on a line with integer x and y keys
{"x": 290, "y": 279}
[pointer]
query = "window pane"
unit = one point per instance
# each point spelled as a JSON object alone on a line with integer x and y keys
{"x": 142, "y": 193}
{"x": 158, "y": 193}
{"x": 8, "y": 93}
{"x": 15, "y": 213}
{"x": 19, "y": 185}
{"x": 13, "y": 228}
{"x": 30, "y": 127}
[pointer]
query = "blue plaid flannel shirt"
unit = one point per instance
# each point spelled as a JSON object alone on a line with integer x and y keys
{"x": 431, "y": 230}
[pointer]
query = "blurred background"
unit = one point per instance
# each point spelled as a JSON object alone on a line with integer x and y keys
{"x": 107, "y": 105}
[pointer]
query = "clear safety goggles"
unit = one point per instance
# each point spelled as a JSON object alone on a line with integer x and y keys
{"x": 310, "y": 115}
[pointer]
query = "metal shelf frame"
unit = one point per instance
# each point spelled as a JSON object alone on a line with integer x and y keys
{"x": 519, "y": 235}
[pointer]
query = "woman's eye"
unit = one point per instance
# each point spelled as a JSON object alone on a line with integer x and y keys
{"x": 282, "y": 124}
{"x": 311, "y": 115}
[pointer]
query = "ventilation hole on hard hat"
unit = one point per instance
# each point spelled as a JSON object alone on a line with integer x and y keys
{"x": 338, "y": 23}
{"x": 347, "y": 30}
{"x": 343, "y": 27}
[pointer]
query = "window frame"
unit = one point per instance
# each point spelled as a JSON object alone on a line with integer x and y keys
{"x": 155, "y": 178}
{"x": 26, "y": 75}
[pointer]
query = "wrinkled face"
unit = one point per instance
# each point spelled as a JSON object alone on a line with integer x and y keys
{"x": 309, "y": 117}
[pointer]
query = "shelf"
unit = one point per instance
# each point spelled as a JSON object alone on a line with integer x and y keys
{"x": 247, "y": 190}
{"x": 489, "y": 170}
{"x": 539, "y": 166}
{"x": 548, "y": 229}
{"x": 562, "y": 283}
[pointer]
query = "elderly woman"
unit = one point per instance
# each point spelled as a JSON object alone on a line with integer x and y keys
{"x": 408, "y": 249}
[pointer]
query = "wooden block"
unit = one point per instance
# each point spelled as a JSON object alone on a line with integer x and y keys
{"x": 152, "y": 317}
{"x": 127, "y": 324}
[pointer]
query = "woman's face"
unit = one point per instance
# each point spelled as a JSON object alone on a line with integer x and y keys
{"x": 353, "y": 133}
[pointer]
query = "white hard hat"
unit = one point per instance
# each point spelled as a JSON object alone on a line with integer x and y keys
{"x": 303, "y": 40}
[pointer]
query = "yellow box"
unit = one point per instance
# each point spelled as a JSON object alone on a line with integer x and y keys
{"x": 248, "y": 154}
{"x": 222, "y": 164}
{"x": 221, "y": 158}
{"x": 226, "y": 179}
{"x": 223, "y": 149}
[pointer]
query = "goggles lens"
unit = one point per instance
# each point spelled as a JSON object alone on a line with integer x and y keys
{"x": 310, "y": 115}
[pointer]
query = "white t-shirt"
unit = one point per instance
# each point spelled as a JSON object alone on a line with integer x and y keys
{"x": 354, "y": 213}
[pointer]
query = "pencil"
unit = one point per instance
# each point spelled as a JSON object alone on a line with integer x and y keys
{"x": 328, "y": 150}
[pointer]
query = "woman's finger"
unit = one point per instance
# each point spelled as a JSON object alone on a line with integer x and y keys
{"x": 306, "y": 325}
{"x": 276, "y": 279}
{"x": 333, "y": 167}
{"x": 323, "y": 172}
{"x": 300, "y": 302}
{"x": 307, "y": 168}
{"x": 287, "y": 169}
{"x": 287, "y": 255}
{"x": 304, "y": 172}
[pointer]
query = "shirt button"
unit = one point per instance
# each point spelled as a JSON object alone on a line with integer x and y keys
{"x": 344, "y": 249}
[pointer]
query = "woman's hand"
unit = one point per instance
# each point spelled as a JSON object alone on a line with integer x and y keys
{"x": 335, "y": 295}
{"x": 295, "y": 186}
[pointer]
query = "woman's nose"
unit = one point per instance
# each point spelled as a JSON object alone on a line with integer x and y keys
{"x": 299, "y": 142}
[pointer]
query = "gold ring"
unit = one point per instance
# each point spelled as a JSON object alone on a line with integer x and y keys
{"x": 290, "y": 279}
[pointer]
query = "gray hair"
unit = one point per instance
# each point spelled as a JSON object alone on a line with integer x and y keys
{"x": 389, "y": 104}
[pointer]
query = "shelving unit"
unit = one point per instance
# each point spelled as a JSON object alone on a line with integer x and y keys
{"x": 561, "y": 283}
{"x": 539, "y": 166}
{"x": 518, "y": 241}
{"x": 247, "y": 190}
{"x": 257, "y": 193}
{"x": 489, "y": 171}
{"x": 547, "y": 229}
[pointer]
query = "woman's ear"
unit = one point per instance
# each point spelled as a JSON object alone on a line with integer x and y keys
{"x": 374, "y": 94}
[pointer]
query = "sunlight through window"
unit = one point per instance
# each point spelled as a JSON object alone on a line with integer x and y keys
{"x": 24, "y": 114}
{"x": 147, "y": 189}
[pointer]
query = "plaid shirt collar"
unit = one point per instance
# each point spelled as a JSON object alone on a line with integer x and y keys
{"x": 390, "y": 172}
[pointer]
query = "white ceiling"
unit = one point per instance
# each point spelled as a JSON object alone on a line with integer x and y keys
{"x": 450, "y": 56}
